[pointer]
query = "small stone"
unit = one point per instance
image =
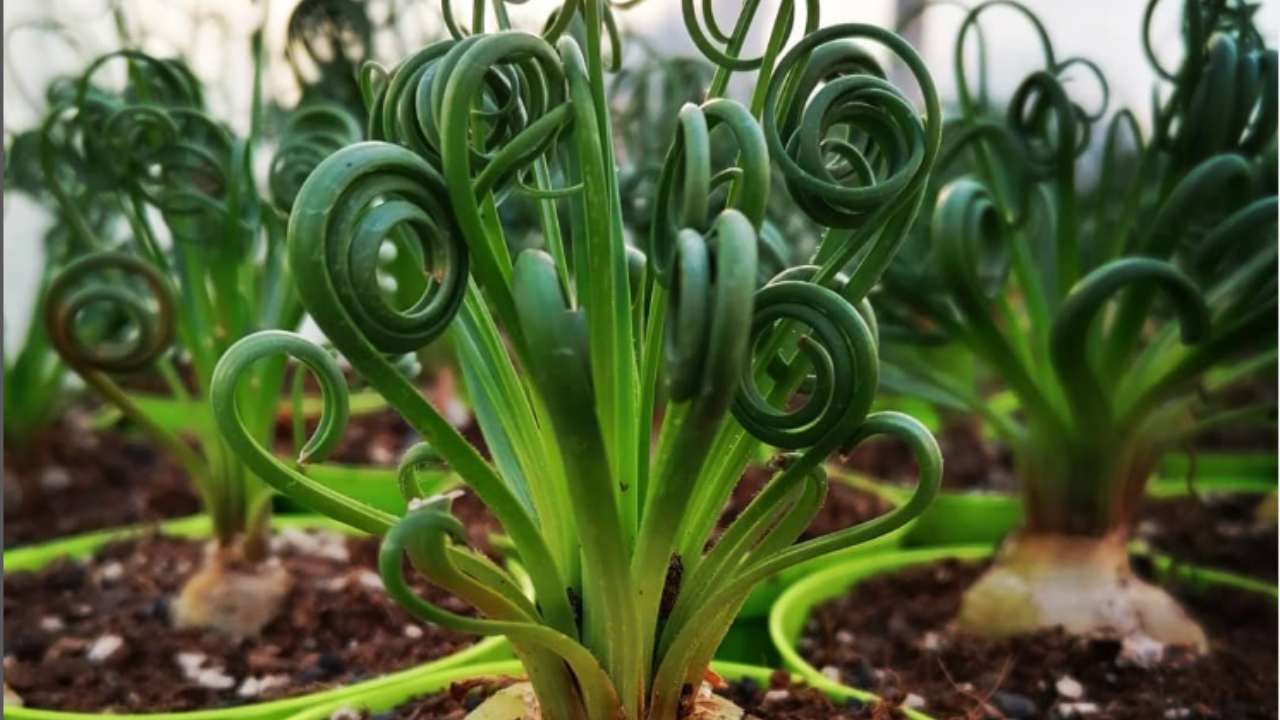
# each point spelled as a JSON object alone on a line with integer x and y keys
{"x": 776, "y": 695}
{"x": 913, "y": 702}
{"x": 255, "y": 686}
{"x": 1075, "y": 710}
{"x": 1069, "y": 688}
{"x": 104, "y": 647}
{"x": 370, "y": 579}
{"x": 11, "y": 698}
{"x": 51, "y": 623}
{"x": 1177, "y": 713}
{"x": 1014, "y": 706}
{"x": 1140, "y": 651}
{"x": 931, "y": 642}
{"x": 832, "y": 673}
{"x": 55, "y": 478}
{"x": 327, "y": 545}
{"x": 380, "y": 454}
{"x": 111, "y": 572}
{"x": 214, "y": 679}
{"x": 413, "y": 632}
{"x": 844, "y": 637}
{"x": 190, "y": 662}
{"x": 345, "y": 713}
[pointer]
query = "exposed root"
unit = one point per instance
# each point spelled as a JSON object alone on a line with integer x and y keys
{"x": 1083, "y": 584}
{"x": 231, "y": 595}
{"x": 517, "y": 702}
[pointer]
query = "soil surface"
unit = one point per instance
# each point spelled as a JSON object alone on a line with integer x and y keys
{"x": 891, "y": 636}
{"x": 78, "y": 479}
{"x": 1219, "y": 530}
{"x": 844, "y": 507}
{"x": 970, "y": 461}
{"x": 781, "y": 700}
{"x": 96, "y": 636}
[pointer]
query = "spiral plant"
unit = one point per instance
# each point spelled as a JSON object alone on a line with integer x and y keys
{"x": 564, "y": 347}
{"x": 1119, "y": 317}
{"x": 133, "y": 296}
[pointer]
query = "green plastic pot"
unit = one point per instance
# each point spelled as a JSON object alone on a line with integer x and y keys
{"x": 389, "y": 697}
{"x": 984, "y": 517}
{"x": 791, "y": 612}
{"x": 37, "y": 556}
{"x": 762, "y": 598}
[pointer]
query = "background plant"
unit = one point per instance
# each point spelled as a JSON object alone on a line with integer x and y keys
{"x": 170, "y": 297}
{"x": 1118, "y": 319}
{"x": 564, "y": 348}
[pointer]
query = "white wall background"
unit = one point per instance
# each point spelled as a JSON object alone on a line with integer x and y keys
{"x": 213, "y": 35}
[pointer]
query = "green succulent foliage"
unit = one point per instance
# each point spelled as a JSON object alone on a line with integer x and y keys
{"x": 570, "y": 351}
{"x": 1117, "y": 316}
{"x": 214, "y": 272}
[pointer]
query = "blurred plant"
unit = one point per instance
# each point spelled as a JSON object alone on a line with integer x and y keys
{"x": 327, "y": 41}
{"x": 212, "y": 274}
{"x": 1077, "y": 308}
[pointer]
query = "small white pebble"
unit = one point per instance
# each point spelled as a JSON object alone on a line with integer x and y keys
{"x": 1177, "y": 713}
{"x": 381, "y": 454}
{"x": 1140, "y": 651}
{"x": 913, "y": 702}
{"x": 776, "y": 695}
{"x": 214, "y": 679}
{"x": 370, "y": 579}
{"x": 1075, "y": 709}
{"x": 327, "y": 545}
{"x": 190, "y": 661}
{"x": 334, "y": 584}
{"x": 413, "y": 632}
{"x": 51, "y": 623}
{"x": 111, "y": 572}
{"x": 844, "y": 637}
{"x": 1069, "y": 688}
{"x": 931, "y": 641}
{"x": 832, "y": 673}
{"x": 345, "y": 713}
{"x": 255, "y": 686}
{"x": 55, "y": 478}
{"x": 104, "y": 647}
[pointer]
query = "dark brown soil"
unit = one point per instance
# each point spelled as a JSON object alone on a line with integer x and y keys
{"x": 85, "y": 480}
{"x": 972, "y": 462}
{"x": 338, "y": 627}
{"x": 1220, "y": 531}
{"x": 890, "y": 636}
{"x": 782, "y": 700}
{"x": 844, "y": 507}
{"x": 1256, "y": 437}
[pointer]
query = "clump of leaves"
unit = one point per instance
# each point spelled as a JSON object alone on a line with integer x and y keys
{"x": 564, "y": 347}
{"x": 211, "y": 274}
{"x": 1118, "y": 319}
